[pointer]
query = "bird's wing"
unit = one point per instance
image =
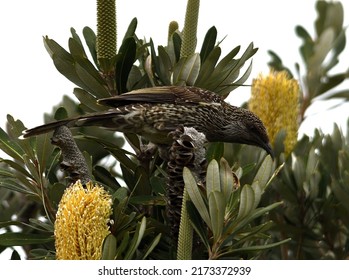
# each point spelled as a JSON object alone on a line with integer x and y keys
{"x": 165, "y": 94}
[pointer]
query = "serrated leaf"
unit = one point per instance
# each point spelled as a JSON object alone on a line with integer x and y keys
{"x": 195, "y": 196}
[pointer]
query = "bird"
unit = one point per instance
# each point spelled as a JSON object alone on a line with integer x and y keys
{"x": 155, "y": 112}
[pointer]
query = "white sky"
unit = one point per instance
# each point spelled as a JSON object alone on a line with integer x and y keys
{"x": 28, "y": 74}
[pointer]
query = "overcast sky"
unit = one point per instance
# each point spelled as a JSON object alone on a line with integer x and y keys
{"x": 28, "y": 75}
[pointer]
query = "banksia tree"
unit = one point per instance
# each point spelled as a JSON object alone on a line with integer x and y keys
{"x": 247, "y": 206}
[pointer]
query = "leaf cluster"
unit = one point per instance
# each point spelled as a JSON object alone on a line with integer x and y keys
{"x": 314, "y": 187}
{"x": 320, "y": 54}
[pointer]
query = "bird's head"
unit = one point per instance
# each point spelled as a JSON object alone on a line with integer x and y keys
{"x": 245, "y": 127}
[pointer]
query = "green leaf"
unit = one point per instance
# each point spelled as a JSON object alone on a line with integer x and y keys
{"x": 152, "y": 246}
{"x": 40, "y": 225}
{"x": 136, "y": 240}
{"x": 247, "y": 201}
{"x": 197, "y": 223}
{"x": 213, "y": 183}
{"x": 19, "y": 239}
{"x": 321, "y": 48}
{"x": 258, "y": 191}
{"x": 91, "y": 79}
{"x": 90, "y": 39}
{"x": 14, "y": 186}
{"x": 109, "y": 248}
{"x": 307, "y": 49}
{"x": 228, "y": 180}
{"x": 215, "y": 151}
{"x": 264, "y": 172}
{"x": 208, "y": 44}
{"x": 9, "y": 146}
{"x": 216, "y": 202}
{"x": 277, "y": 64}
{"x": 76, "y": 49}
{"x": 165, "y": 66}
{"x": 130, "y": 32}
{"x": 207, "y": 67}
{"x": 123, "y": 246}
{"x": 177, "y": 44}
{"x": 127, "y": 53}
{"x": 195, "y": 196}
{"x": 88, "y": 100}
{"x": 187, "y": 70}
{"x": 331, "y": 82}
{"x": 67, "y": 68}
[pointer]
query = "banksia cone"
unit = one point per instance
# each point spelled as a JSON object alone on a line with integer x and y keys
{"x": 188, "y": 151}
{"x": 82, "y": 222}
{"x": 190, "y": 28}
{"x": 73, "y": 161}
{"x": 106, "y": 29}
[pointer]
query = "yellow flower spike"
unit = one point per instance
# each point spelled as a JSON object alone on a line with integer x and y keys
{"x": 275, "y": 99}
{"x": 82, "y": 222}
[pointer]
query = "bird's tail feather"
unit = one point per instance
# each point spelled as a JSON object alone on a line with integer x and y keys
{"x": 45, "y": 128}
{"x": 102, "y": 119}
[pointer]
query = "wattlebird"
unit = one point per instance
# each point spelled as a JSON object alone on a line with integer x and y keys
{"x": 155, "y": 112}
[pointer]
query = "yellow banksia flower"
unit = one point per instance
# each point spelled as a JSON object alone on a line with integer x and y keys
{"x": 275, "y": 99}
{"x": 82, "y": 222}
